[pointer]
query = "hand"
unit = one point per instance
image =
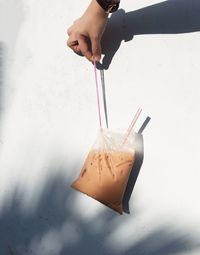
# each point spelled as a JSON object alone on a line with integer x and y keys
{"x": 86, "y": 32}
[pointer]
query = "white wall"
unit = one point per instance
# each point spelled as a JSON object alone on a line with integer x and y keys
{"x": 49, "y": 121}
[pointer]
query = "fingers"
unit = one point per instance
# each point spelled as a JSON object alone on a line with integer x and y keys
{"x": 73, "y": 44}
{"x": 96, "y": 48}
{"x": 84, "y": 46}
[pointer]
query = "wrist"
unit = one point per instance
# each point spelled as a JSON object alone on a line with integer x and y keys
{"x": 95, "y": 9}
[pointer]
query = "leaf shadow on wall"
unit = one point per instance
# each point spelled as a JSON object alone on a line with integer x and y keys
{"x": 56, "y": 227}
{"x": 168, "y": 17}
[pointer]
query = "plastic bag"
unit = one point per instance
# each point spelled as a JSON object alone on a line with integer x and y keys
{"x": 106, "y": 170}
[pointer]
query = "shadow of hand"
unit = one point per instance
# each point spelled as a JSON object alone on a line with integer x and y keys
{"x": 112, "y": 37}
{"x": 168, "y": 17}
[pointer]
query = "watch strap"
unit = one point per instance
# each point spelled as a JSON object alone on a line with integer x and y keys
{"x": 109, "y": 5}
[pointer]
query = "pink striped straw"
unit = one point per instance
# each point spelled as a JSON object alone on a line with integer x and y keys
{"x": 135, "y": 118}
{"x": 97, "y": 90}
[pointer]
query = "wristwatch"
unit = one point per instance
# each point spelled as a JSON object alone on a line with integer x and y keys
{"x": 109, "y": 5}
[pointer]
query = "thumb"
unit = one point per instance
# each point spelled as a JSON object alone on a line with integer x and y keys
{"x": 96, "y": 48}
